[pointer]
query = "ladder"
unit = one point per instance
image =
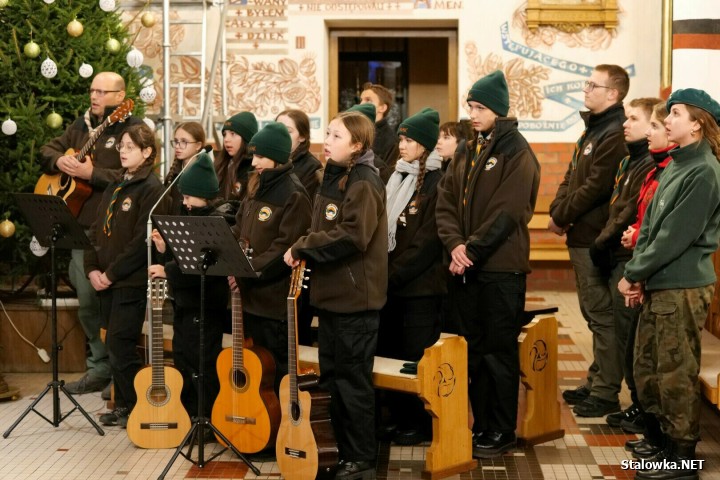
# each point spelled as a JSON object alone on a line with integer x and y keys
{"x": 199, "y": 24}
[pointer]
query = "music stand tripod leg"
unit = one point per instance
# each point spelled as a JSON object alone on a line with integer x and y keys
{"x": 201, "y": 421}
{"x": 56, "y": 385}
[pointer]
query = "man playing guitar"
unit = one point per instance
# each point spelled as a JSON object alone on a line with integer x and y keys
{"x": 98, "y": 169}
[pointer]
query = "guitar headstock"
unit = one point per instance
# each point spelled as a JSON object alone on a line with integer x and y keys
{"x": 158, "y": 292}
{"x": 296, "y": 280}
{"x": 122, "y": 111}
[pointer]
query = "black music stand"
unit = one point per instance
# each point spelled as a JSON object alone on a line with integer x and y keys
{"x": 203, "y": 246}
{"x": 54, "y": 226}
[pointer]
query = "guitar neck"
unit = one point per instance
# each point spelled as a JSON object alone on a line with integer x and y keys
{"x": 157, "y": 297}
{"x": 292, "y": 348}
{"x": 91, "y": 141}
{"x": 238, "y": 336}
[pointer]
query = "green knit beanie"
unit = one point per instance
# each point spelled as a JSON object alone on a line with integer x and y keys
{"x": 243, "y": 123}
{"x": 200, "y": 180}
{"x": 367, "y": 109}
{"x": 491, "y": 91}
{"x": 272, "y": 142}
{"x": 697, "y": 98}
{"x": 423, "y": 127}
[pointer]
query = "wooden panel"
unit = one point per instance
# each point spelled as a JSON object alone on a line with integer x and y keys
{"x": 35, "y": 324}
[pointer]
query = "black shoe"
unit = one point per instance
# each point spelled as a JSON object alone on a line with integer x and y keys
{"x": 629, "y": 414}
{"x": 576, "y": 396}
{"x": 118, "y": 417}
{"x": 387, "y": 431}
{"x": 646, "y": 450}
{"x": 675, "y": 455}
{"x": 636, "y": 425}
{"x": 631, "y": 444}
{"x": 355, "y": 471}
{"x": 595, "y": 407}
{"x": 86, "y": 384}
{"x": 409, "y": 437}
{"x": 493, "y": 444}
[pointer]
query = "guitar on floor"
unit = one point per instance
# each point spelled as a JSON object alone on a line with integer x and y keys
{"x": 247, "y": 410}
{"x": 159, "y": 419}
{"x": 75, "y": 191}
{"x": 305, "y": 447}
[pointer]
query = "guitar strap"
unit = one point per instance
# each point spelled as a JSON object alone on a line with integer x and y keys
{"x": 91, "y": 130}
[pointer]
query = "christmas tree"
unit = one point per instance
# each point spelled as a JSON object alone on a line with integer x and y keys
{"x": 49, "y": 51}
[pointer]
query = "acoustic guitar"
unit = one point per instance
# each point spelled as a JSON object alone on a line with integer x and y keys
{"x": 75, "y": 191}
{"x": 159, "y": 419}
{"x": 306, "y": 447}
{"x": 247, "y": 410}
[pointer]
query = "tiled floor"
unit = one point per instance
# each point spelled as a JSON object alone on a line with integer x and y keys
{"x": 74, "y": 450}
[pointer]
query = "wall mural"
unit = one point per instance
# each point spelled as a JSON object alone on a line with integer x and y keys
{"x": 594, "y": 38}
{"x": 523, "y": 80}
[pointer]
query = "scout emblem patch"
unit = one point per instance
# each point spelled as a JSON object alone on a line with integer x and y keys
{"x": 126, "y": 204}
{"x": 110, "y": 142}
{"x": 412, "y": 208}
{"x": 264, "y": 214}
{"x": 588, "y": 149}
{"x": 331, "y": 211}
{"x": 492, "y": 161}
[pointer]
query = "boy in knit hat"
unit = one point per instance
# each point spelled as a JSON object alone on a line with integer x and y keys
{"x": 233, "y": 163}
{"x": 410, "y": 320}
{"x": 198, "y": 186}
{"x": 275, "y": 213}
{"x": 484, "y": 205}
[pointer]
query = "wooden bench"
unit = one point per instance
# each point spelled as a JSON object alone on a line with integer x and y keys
{"x": 710, "y": 367}
{"x": 441, "y": 382}
{"x": 545, "y": 245}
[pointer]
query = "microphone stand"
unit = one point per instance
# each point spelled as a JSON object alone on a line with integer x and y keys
{"x": 148, "y": 228}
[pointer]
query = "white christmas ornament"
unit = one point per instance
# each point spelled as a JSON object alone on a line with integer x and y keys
{"x": 49, "y": 1}
{"x": 106, "y": 5}
{"x": 134, "y": 58}
{"x": 48, "y": 68}
{"x": 85, "y": 70}
{"x": 148, "y": 94}
{"x": 149, "y": 123}
{"x": 9, "y": 127}
{"x": 37, "y": 249}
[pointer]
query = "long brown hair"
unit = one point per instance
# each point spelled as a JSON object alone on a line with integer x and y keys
{"x": 143, "y": 137}
{"x": 709, "y": 128}
{"x": 362, "y": 131}
{"x": 302, "y": 125}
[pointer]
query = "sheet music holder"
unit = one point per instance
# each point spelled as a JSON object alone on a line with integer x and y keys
{"x": 203, "y": 246}
{"x": 54, "y": 226}
{"x": 190, "y": 238}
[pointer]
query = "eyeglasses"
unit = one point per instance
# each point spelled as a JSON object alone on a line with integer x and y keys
{"x": 181, "y": 143}
{"x": 101, "y": 93}
{"x": 122, "y": 146}
{"x": 590, "y": 86}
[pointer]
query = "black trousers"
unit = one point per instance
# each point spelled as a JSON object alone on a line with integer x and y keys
{"x": 272, "y": 335}
{"x": 346, "y": 349}
{"x": 123, "y": 314}
{"x": 408, "y": 325}
{"x": 490, "y": 306}
{"x": 186, "y": 355}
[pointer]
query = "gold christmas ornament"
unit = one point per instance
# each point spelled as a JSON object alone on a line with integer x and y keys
{"x": 31, "y": 49}
{"x": 7, "y": 228}
{"x": 75, "y": 28}
{"x": 147, "y": 19}
{"x": 3, "y": 3}
{"x": 54, "y": 120}
{"x": 112, "y": 45}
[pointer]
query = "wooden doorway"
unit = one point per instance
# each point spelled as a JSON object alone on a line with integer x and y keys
{"x": 419, "y": 64}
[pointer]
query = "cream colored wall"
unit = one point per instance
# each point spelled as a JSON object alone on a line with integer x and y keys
{"x": 296, "y": 77}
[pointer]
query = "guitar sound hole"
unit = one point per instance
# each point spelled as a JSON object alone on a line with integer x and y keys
{"x": 158, "y": 395}
{"x": 239, "y": 378}
{"x": 295, "y": 411}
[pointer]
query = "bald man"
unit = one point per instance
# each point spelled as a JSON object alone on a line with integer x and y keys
{"x": 101, "y": 167}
